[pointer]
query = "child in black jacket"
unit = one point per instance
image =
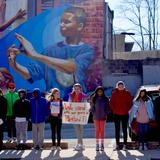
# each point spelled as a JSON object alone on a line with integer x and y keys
{"x": 21, "y": 112}
{"x": 3, "y": 112}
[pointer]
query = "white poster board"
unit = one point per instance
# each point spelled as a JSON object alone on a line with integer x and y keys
{"x": 55, "y": 107}
{"x": 75, "y": 113}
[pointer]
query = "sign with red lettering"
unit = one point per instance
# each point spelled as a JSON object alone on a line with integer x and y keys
{"x": 75, "y": 113}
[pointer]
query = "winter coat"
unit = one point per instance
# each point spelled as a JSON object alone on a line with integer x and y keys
{"x": 100, "y": 108}
{"x": 121, "y": 102}
{"x": 39, "y": 110}
{"x": 149, "y": 106}
{"x": 11, "y": 98}
{"x": 3, "y": 108}
{"x": 21, "y": 108}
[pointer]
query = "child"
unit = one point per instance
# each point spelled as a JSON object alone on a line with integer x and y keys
{"x": 120, "y": 104}
{"x": 78, "y": 96}
{"x": 143, "y": 111}
{"x": 55, "y": 118}
{"x": 100, "y": 105}
{"x": 3, "y": 111}
{"x": 11, "y": 97}
{"x": 67, "y": 61}
{"x": 21, "y": 113}
{"x": 39, "y": 113}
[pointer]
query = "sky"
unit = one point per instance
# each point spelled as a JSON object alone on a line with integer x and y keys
{"x": 119, "y": 24}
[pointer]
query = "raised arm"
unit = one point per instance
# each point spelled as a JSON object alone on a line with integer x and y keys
{"x": 18, "y": 15}
{"x": 23, "y": 71}
{"x": 67, "y": 66}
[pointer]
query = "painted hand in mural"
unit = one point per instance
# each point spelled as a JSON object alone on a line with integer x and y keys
{"x": 28, "y": 48}
{"x": 12, "y": 52}
{"x": 20, "y": 14}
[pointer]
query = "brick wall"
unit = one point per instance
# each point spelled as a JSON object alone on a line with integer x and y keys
{"x": 93, "y": 32}
{"x": 122, "y": 66}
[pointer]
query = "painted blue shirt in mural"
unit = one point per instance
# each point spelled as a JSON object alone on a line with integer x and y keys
{"x": 82, "y": 54}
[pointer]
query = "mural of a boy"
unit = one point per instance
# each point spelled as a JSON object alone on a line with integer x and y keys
{"x": 62, "y": 64}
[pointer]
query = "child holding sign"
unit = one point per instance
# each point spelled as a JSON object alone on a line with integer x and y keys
{"x": 55, "y": 104}
{"x": 78, "y": 96}
{"x": 99, "y": 109}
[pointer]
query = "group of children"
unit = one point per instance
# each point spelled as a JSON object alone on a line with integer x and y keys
{"x": 17, "y": 110}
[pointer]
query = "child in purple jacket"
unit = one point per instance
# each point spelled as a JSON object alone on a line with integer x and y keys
{"x": 99, "y": 109}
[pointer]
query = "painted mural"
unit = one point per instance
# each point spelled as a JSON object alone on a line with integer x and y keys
{"x": 57, "y": 48}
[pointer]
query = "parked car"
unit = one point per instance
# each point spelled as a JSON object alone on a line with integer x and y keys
{"x": 153, "y": 93}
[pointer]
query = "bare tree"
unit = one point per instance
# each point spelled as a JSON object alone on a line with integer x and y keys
{"x": 143, "y": 16}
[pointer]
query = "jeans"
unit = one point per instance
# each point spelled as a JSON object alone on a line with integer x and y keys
{"x": 117, "y": 120}
{"x": 143, "y": 129}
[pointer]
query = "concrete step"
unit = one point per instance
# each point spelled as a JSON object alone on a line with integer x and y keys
{"x": 47, "y": 145}
{"x": 134, "y": 145}
{"x": 65, "y": 145}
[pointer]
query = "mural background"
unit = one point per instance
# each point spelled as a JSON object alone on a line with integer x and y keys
{"x": 43, "y": 30}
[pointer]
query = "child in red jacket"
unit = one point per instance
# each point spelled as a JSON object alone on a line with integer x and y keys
{"x": 120, "y": 104}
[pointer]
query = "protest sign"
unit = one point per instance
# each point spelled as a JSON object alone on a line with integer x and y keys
{"x": 75, "y": 113}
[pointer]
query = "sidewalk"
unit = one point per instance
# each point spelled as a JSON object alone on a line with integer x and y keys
{"x": 68, "y": 135}
{"x": 88, "y": 154}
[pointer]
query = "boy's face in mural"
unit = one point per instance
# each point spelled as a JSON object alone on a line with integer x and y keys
{"x": 69, "y": 25}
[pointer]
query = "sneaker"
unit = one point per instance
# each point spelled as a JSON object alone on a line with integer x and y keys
{"x": 77, "y": 147}
{"x": 145, "y": 147}
{"x": 14, "y": 139}
{"x": 59, "y": 148}
{"x": 97, "y": 147}
{"x": 53, "y": 148}
{"x": 9, "y": 140}
{"x": 124, "y": 147}
{"x": 102, "y": 147}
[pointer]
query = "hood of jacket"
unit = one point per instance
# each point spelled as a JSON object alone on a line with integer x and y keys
{"x": 37, "y": 91}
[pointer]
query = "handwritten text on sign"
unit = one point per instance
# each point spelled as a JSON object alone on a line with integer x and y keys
{"x": 75, "y": 113}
